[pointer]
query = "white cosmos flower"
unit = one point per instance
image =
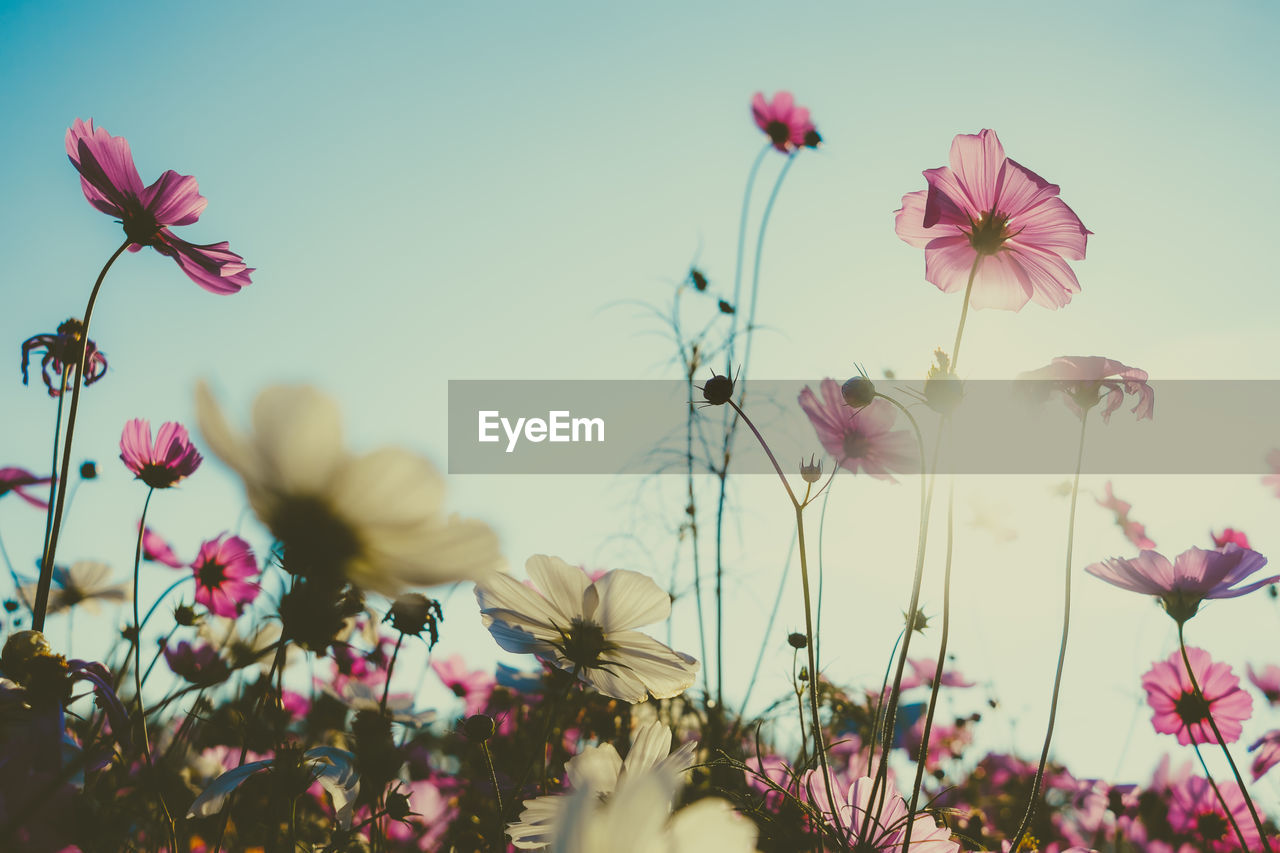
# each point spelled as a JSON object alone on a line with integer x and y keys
{"x": 638, "y": 819}
{"x": 334, "y": 769}
{"x": 586, "y": 628}
{"x": 375, "y": 517}
{"x": 602, "y": 770}
{"x": 84, "y": 583}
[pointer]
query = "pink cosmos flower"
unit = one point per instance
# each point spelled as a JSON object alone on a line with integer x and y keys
{"x": 1267, "y": 681}
{"x": 881, "y": 830}
{"x": 862, "y": 440}
{"x": 16, "y": 480}
{"x": 1082, "y": 380}
{"x": 785, "y": 123}
{"x": 1134, "y": 531}
{"x": 222, "y": 570}
{"x": 156, "y": 550}
{"x": 989, "y": 214}
{"x": 946, "y": 742}
{"x": 197, "y": 664}
{"x": 172, "y": 459}
{"x": 1229, "y": 536}
{"x": 922, "y": 672}
{"x": 61, "y": 349}
{"x": 111, "y": 183}
{"x": 1269, "y": 757}
{"x": 474, "y": 686}
{"x": 1195, "y": 810}
{"x": 1178, "y": 711}
{"x": 1195, "y": 575}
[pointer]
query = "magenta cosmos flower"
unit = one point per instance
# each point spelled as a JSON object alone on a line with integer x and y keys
{"x": 16, "y": 480}
{"x": 222, "y": 570}
{"x": 922, "y": 672}
{"x": 861, "y": 440}
{"x": 1267, "y": 748}
{"x": 1084, "y": 380}
{"x": 1267, "y": 681}
{"x": 171, "y": 459}
{"x": 881, "y": 828}
{"x": 61, "y": 349}
{"x": 473, "y": 686}
{"x": 155, "y": 549}
{"x": 988, "y": 215}
{"x": 785, "y": 122}
{"x": 1194, "y": 575}
{"x": 1134, "y": 531}
{"x": 1230, "y": 536}
{"x": 1195, "y": 811}
{"x": 111, "y": 184}
{"x": 1178, "y": 711}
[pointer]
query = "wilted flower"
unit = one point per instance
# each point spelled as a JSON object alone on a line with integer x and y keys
{"x": 785, "y": 123}
{"x": 111, "y": 184}
{"x": 862, "y": 439}
{"x": 988, "y": 216}
{"x": 585, "y": 628}
{"x": 1134, "y": 531}
{"x": 83, "y": 583}
{"x": 1194, "y": 576}
{"x": 16, "y": 480}
{"x": 375, "y": 518}
{"x": 172, "y": 459}
{"x": 1179, "y": 711}
{"x": 63, "y": 349}
{"x": 1082, "y": 381}
{"x": 222, "y": 570}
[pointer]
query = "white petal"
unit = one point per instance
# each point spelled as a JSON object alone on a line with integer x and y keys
{"x": 298, "y": 434}
{"x": 629, "y": 600}
{"x": 390, "y": 486}
{"x": 212, "y": 798}
{"x": 596, "y": 767}
{"x": 710, "y": 824}
{"x": 664, "y": 671}
{"x": 444, "y": 550}
{"x": 650, "y": 744}
{"x": 560, "y": 582}
{"x": 336, "y": 773}
{"x": 226, "y": 443}
{"x": 616, "y": 681}
{"x": 503, "y": 592}
{"x": 539, "y": 822}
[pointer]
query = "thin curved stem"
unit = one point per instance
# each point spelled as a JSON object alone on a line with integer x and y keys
{"x": 1062, "y": 647}
{"x": 46, "y": 563}
{"x": 755, "y": 270}
{"x": 170, "y": 588}
{"x": 768, "y": 628}
{"x": 53, "y": 465}
{"x": 1195, "y": 685}
{"x": 1222, "y": 801}
{"x": 692, "y": 512}
{"x": 964, "y": 312}
{"x": 742, "y": 243}
{"x": 386, "y": 687}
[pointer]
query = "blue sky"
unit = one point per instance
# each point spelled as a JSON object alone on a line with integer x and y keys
{"x": 446, "y": 191}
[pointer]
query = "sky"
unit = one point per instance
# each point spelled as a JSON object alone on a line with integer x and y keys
{"x": 432, "y": 192}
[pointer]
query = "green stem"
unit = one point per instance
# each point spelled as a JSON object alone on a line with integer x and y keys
{"x": 1062, "y": 647}
{"x": 964, "y": 312}
{"x": 46, "y": 563}
{"x": 386, "y": 687}
{"x": 1222, "y": 801}
{"x": 53, "y": 465}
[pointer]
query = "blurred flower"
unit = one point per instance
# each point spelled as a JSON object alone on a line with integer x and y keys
{"x": 1134, "y": 531}
{"x": 1081, "y": 380}
{"x": 785, "y": 123}
{"x": 922, "y": 672}
{"x": 585, "y": 628}
{"x": 882, "y": 829}
{"x": 61, "y": 349}
{"x": 1179, "y": 711}
{"x": 1194, "y": 576}
{"x": 335, "y": 769}
{"x": 1269, "y": 756}
{"x": 222, "y": 570}
{"x": 111, "y": 184}
{"x": 1268, "y": 681}
{"x": 1195, "y": 810}
{"x": 157, "y": 550}
{"x": 16, "y": 480}
{"x": 172, "y": 459}
{"x": 1272, "y": 480}
{"x": 1229, "y": 536}
{"x": 83, "y": 583}
{"x": 989, "y": 214}
{"x": 601, "y": 769}
{"x": 862, "y": 439}
{"x": 473, "y": 686}
{"x": 375, "y": 518}
{"x": 946, "y": 741}
{"x": 197, "y": 664}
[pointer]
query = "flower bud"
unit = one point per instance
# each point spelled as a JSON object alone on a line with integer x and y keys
{"x": 89, "y": 471}
{"x": 398, "y": 806}
{"x": 478, "y": 727}
{"x": 797, "y": 641}
{"x": 185, "y": 615}
{"x": 858, "y": 392}
{"x": 413, "y": 612}
{"x": 718, "y": 390}
{"x": 812, "y": 472}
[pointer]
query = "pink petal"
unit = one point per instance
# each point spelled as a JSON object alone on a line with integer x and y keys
{"x": 1051, "y": 281}
{"x": 1002, "y": 282}
{"x": 174, "y": 199}
{"x": 976, "y": 161}
{"x": 214, "y": 266}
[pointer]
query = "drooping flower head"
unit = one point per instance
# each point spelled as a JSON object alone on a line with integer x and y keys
{"x": 785, "y": 122}
{"x": 860, "y": 439}
{"x": 585, "y": 627}
{"x": 223, "y": 569}
{"x": 1179, "y": 711}
{"x": 376, "y": 519}
{"x": 1134, "y": 531}
{"x": 170, "y": 460}
{"x": 988, "y": 212}
{"x": 1196, "y": 811}
{"x": 63, "y": 349}
{"x": 1086, "y": 381}
{"x": 111, "y": 184}
{"x": 16, "y": 480}
{"x": 1195, "y": 575}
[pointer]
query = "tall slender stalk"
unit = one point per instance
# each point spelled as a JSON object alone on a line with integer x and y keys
{"x": 53, "y": 465}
